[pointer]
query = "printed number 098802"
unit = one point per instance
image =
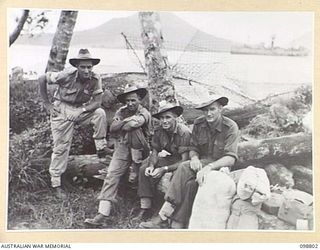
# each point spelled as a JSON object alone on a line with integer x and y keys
{"x": 308, "y": 245}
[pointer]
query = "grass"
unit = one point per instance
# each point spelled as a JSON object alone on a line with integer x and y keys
{"x": 42, "y": 210}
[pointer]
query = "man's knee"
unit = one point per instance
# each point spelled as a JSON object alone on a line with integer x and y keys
{"x": 111, "y": 179}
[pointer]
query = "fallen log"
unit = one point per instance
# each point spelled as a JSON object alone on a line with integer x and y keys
{"x": 79, "y": 166}
{"x": 289, "y": 151}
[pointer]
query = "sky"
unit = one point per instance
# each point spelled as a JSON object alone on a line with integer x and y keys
{"x": 245, "y": 27}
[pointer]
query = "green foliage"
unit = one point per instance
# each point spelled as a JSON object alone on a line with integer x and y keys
{"x": 26, "y": 108}
{"x": 284, "y": 116}
{"x": 262, "y": 127}
{"x": 24, "y": 147}
{"x": 302, "y": 100}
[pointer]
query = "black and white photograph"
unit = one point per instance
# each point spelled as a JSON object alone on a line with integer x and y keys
{"x": 160, "y": 120}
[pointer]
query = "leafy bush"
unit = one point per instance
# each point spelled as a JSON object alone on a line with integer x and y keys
{"x": 25, "y": 106}
{"x": 284, "y": 116}
{"x": 302, "y": 100}
{"x": 24, "y": 147}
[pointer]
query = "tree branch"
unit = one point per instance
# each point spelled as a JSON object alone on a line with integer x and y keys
{"x": 15, "y": 34}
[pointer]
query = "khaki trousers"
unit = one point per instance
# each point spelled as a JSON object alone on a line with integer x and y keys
{"x": 62, "y": 132}
{"x": 122, "y": 158}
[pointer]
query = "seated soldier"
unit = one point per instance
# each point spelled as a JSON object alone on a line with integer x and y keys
{"x": 131, "y": 125}
{"x": 171, "y": 138}
{"x": 214, "y": 142}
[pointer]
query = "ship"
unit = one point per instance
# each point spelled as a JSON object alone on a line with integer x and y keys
{"x": 261, "y": 49}
{"x": 277, "y": 51}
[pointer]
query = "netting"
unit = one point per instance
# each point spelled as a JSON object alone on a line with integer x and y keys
{"x": 197, "y": 62}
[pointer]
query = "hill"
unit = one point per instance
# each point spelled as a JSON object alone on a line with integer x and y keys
{"x": 176, "y": 32}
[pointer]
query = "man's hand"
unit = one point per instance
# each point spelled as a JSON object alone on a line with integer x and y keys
{"x": 73, "y": 114}
{"x": 148, "y": 171}
{"x": 129, "y": 125}
{"x": 158, "y": 172}
{"x": 51, "y": 109}
{"x": 195, "y": 164}
{"x": 202, "y": 175}
{"x": 163, "y": 153}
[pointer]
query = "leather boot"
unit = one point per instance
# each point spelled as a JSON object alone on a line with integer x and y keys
{"x": 155, "y": 223}
{"x": 143, "y": 215}
{"x": 60, "y": 193}
{"x": 98, "y": 220}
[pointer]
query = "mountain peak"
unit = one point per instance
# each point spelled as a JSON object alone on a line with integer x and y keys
{"x": 175, "y": 31}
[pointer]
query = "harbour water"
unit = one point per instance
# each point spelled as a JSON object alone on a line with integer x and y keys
{"x": 256, "y": 75}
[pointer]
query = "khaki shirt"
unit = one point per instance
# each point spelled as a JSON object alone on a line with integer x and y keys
{"x": 214, "y": 143}
{"x": 177, "y": 144}
{"x": 123, "y": 113}
{"x": 71, "y": 90}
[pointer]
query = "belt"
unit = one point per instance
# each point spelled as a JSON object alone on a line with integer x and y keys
{"x": 74, "y": 105}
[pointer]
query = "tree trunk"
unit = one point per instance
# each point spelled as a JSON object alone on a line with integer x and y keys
{"x": 161, "y": 85}
{"x": 15, "y": 34}
{"x": 61, "y": 41}
{"x": 287, "y": 150}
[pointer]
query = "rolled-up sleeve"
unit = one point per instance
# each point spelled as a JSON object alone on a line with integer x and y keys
{"x": 231, "y": 142}
{"x": 61, "y": 77}
{"x": 52, "y": 77}
{"x": 145, "y": 113}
